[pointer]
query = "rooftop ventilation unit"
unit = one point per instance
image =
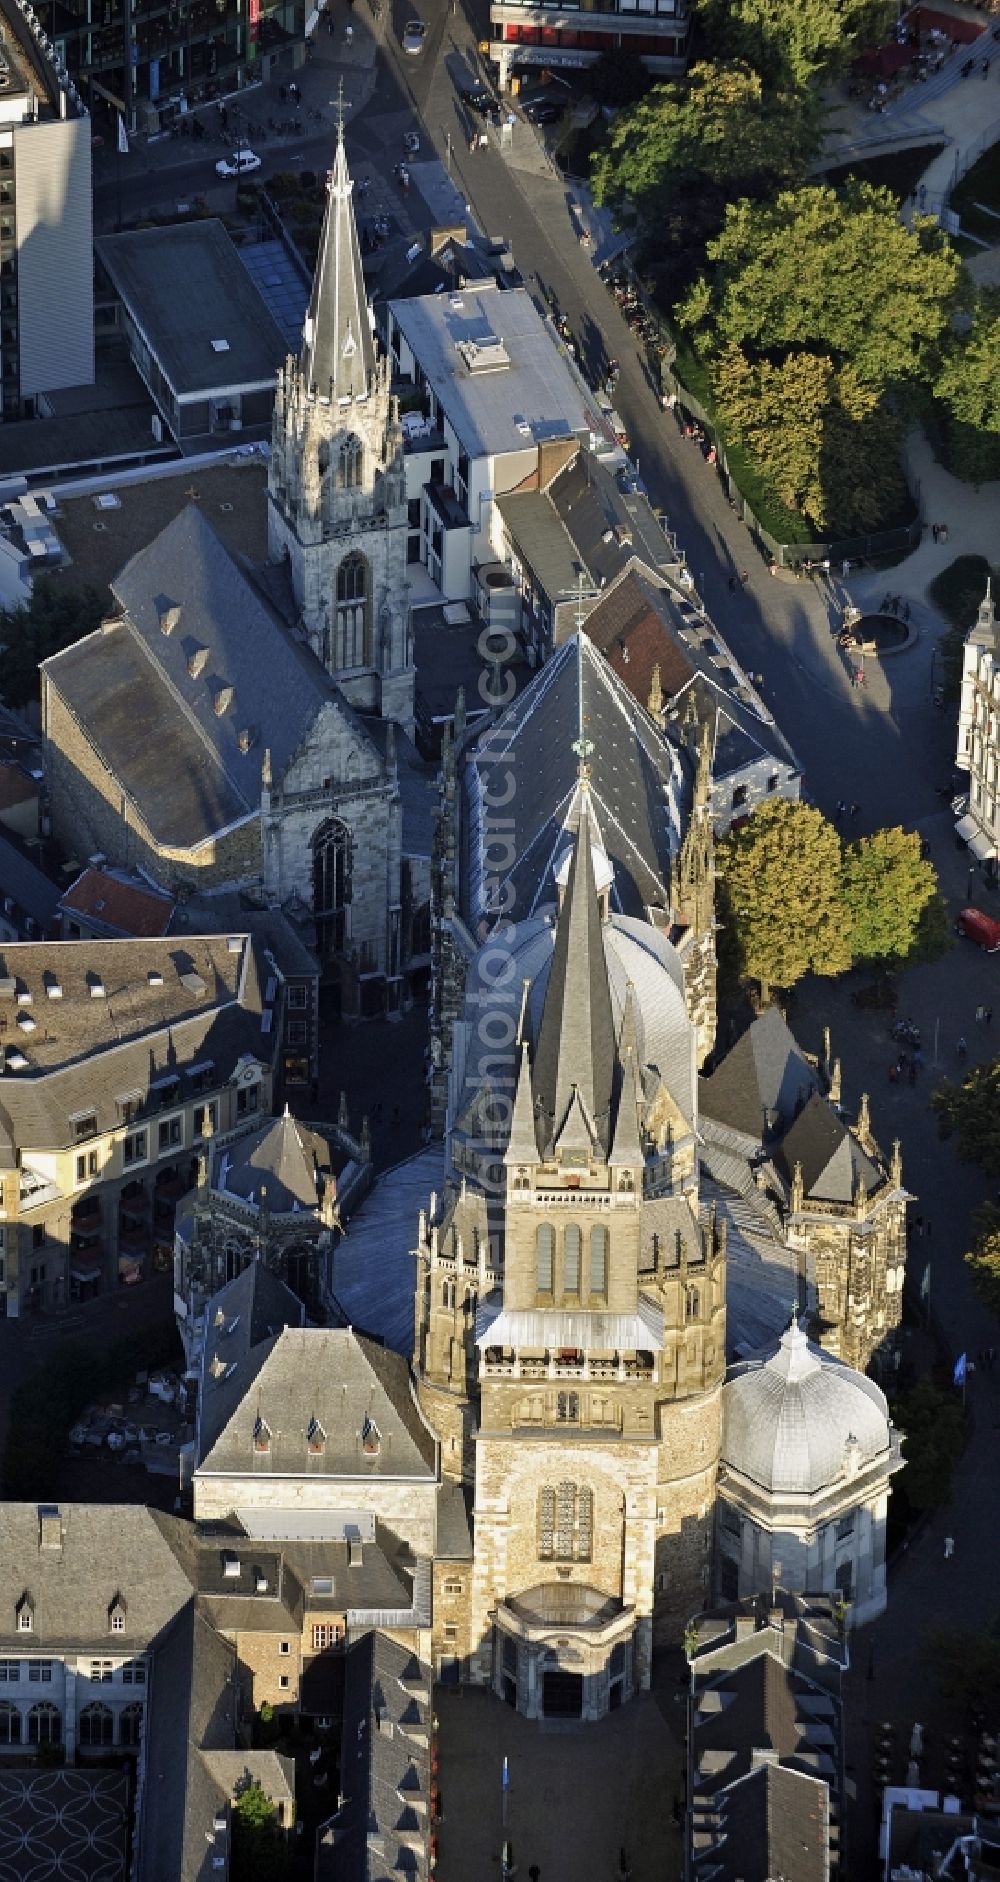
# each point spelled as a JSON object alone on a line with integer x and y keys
{"x": 197, "y": 661}
{"x": 220, "y": 346}
{"x": 154, "y": 977}
{"x": 96, "y": 988}
{"x": 486, "y": 355}
{"x": 194, "y": 984}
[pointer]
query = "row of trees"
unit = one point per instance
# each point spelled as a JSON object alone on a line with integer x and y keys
{"x": 796, "y": 899}
{"x": 820, "y": 320}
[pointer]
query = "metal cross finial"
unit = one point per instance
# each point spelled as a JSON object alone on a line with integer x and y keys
{"x": 582, "y": 745}
{"x": 340, "y": 111}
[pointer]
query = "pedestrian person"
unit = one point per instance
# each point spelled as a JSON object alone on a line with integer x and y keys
{"x": 949, "y": 1548}
{"x": 980, "y": 1015}
{"x": 840, "y": 810}
{"x": 744, "y": 576}
{"x": 855, "y": 810}
{"x": 986, "y": 68}
{"x": 961, "y": 1046}
{"x": 988, "y": 1016}
{"x": 934, "y": 531}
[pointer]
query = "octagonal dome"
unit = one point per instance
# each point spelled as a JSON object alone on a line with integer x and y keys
{"x": 801, "y": 1421}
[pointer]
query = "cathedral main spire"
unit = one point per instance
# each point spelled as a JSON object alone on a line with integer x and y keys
{"x": 576, "y": 1040}
{"x": 338, "y": 350}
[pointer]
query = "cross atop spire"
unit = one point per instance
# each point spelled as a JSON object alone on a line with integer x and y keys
{"x": 582, "y": 745}
{"x": 338, "y": 352}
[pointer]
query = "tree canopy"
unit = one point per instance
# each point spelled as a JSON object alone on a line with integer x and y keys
{"x": 54, "y": 618}
{"x": 968, "y": 383}
{"x": 984, "y": 1258}
{"x": 933, "y": 1426}
{"x": 972, "y": 1109}
{"x": 260, "y": 1851}
{"x": 780, "y": 874}
{"x": 790, "y": 41}
{"x": 719, "y": 125}
{"x": 887, "y": 884}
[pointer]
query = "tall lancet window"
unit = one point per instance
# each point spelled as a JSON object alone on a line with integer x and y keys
{"x": 353, "y": 607}
{"x": 350, "y": 464}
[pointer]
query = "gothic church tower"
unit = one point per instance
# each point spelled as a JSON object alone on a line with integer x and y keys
{"x": 336, "y": 492}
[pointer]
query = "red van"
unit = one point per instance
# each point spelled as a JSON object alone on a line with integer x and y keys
{"x": 980, "y": 928}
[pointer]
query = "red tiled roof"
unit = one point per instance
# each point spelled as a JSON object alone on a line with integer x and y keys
{"x": 633, "y": 639}
{"x": 126, "y": 908}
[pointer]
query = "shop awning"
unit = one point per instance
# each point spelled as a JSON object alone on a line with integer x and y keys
{"x": 981, "y": 846}
{"x": 85, "y": 1274}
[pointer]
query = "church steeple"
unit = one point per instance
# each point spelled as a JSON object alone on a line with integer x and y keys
{"x": 338, "y": 349}
{"x": 576, "y": 1039}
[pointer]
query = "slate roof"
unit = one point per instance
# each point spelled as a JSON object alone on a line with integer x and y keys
{"x": 642, "y": 623}
{"x": 219, "y": 301}
{"x": 157, "y": 705}
{"x": 29, "y": 888}
{"x": 383, "y": 1828}
{"x": 114, "y": 904}
{"x": 107, "y": 1551}
{"x": 338, "y": 349}
{"x": 283, "y": 1154}
{"x": 300, "y": 1376}
{"x": 576, "y": 1051}
{"x": 251, "y": 1309}
{"x": 583, "y": 522}
{"x": 833, "y": 1162}
{"x": 761, "y": 1081}
{"x": 87, "y": 1053}
{"x": 636, "y": 787}
{"x": 193, "y": 1711}
{"x": 773, "y": 1822}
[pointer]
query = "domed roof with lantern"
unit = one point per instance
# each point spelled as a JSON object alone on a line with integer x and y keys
{"x": 799, "y": 1421}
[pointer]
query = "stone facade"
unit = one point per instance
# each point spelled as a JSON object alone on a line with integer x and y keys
{"x": 978, "y": 750}
{"x": 336, "y": 485}
{"x": 856, "y": 1254}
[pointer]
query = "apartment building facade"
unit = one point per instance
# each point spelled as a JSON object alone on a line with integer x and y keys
{"x": 119, "y": 1059}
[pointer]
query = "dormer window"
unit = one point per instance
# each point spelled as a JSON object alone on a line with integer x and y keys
{"x": 25, "y": 1613}
{"x": 316, "y": 1438}
{"x": 116, "y": 1615}
{"x": 261, "y": 1436}
{"x": 371, "y": 1438}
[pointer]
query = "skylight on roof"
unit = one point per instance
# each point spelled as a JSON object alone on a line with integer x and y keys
{"x": 220, "y": 346}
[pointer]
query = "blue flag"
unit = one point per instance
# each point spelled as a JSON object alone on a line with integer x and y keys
{"x": 925, "y": 1285}
{"x": 961, "y": 1365}
{"x": 505, "y": 1777}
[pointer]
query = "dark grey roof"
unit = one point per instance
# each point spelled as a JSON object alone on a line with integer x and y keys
{"x": 453, "y": 1542}
{"x": 154, "y": 702}
{"x": 186, "y": 287}
{"x": 31, "y": 892}
{"x": 194, "y": 1710}
{"x": 417, "y": 781}
{"x": 49, "y": 445}
{"x": 635, "y": 787}
{"x": 282, "y": 1154}
{"x": 773, "y": 1822}
{"x": 384, "y": 1826}
{"x": 761, "y": 1082}
{"x": 583, "y": 523}
{"x": 356, "y": 1391}
{"x": 250, "y": 1310}
{"x": 833, "y": 1162}
{"x": 338, "y": 349}
{"x": 104, "y": 1551}
{"x": 576, "y": 1039}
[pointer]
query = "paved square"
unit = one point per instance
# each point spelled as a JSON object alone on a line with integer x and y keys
{"x": 578, "y": 1793}
{"x": 63, "y": 1826}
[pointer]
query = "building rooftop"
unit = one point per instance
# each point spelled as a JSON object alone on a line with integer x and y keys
{"x": 762, "y": 1082}
{"x": 118, "y": 905}
{"x": 315, "y": 1401}
{"x": 285, "y": 1156}
{"x": 491, "y": 361}
{"x": 215, "y": 335}
{"x": 582, "y": 522}
{"x": 384, "y": 1826}
{"x": 27, "y": 888}
{"x": 801, "y": 1421}
{"x": 90, "y": 1026}
{"x": 81, "y": 1565}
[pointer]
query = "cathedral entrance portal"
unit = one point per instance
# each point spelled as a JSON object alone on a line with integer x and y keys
{"x": 562, "y": 1695}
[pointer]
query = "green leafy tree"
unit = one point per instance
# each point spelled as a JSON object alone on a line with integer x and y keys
{"x": 781, "y": 881}
{"x": 618, "y": 78}
{"x": 972, "y": 1110}
{"x": 260, "y": 1851}
{"x": 835, "y": 274}
{"x": 54, "y": 618}
{"x": 984, "y": 1257}
{"x": 793, "y": 41}
{"x": 966, "y": 1663}
{"x": 778, "y": 413}
{"x": 934, "y": 1429}
{"x": 968, "y": 383}
{"x": 720, "y": 126}
{"x": 887, "y": 884}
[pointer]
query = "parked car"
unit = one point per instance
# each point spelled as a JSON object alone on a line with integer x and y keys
{"x": 980, "y": 928}
{"x": 545, "y": 110}
{"x": 414, "y": 34}
{"x": 239, "y": 164}
{"x": 481, "y": 100}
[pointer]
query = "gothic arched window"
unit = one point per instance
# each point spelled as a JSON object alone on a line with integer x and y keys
{"x": 692, "y": 1304}
{"x": 10, "y": 1723}
{"x": 599, "y": 1259}
{"x": 571, "y": 1259}
{"x": 350, "y": 647}
{"x": 97, "y": 1725}
{"x": 44, "y": 1725}
{"x": 350, "y": 463}
{"x": 331, "y": 884}
{"x": 545, "y": 1239}
{"x": 130, "y": 1724}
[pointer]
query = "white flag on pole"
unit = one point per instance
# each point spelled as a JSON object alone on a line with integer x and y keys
{"x": 122, "y": 137}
